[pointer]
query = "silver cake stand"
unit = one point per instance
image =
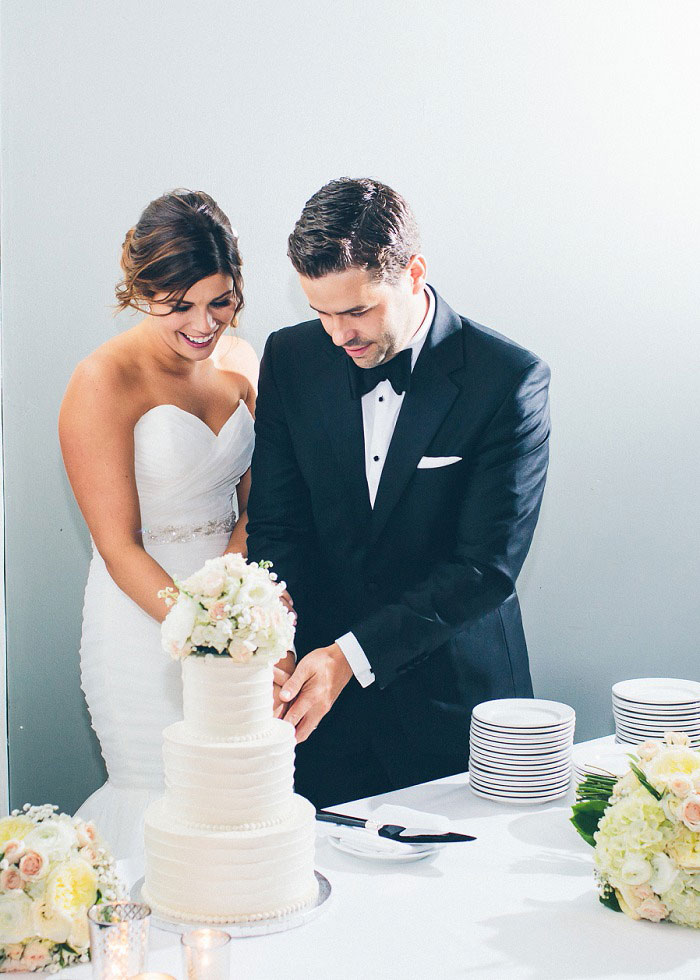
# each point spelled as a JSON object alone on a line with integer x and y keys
{"x": 241, "y": 930}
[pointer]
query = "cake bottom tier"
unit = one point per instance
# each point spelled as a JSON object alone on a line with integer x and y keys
{"x": 230, "y": 876}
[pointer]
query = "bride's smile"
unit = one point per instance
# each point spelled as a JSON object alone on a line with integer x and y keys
{"x": 196, "y": 320}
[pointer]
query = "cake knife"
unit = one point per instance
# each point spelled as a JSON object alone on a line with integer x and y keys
{"x": 391, "y": 830}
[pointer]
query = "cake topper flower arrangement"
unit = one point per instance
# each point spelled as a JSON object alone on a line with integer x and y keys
{"x": 53, "y": 868}
{"x": 645, "y": 828}
{"x": 229, "y": 608}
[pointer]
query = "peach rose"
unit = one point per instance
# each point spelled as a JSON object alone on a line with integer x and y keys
{"x": 652, "y": 909}
{"x": 35, "y": 956}
{"x": 219, "y": 610}
{"x": 86, "y": 833}
{"x": 89, "y": 853}
{"x": 680, "y": 785}
{"x": 14, "y": 849}
{"x": 14, "y": 951}
{"x": 690, "y": 812}
{"x": 33, "y": 866}
{"x": 10, "y": 878}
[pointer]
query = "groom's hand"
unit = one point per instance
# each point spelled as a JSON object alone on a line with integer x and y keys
{"x": 319, "y": 678}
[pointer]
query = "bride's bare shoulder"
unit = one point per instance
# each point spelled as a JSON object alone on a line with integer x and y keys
{"x": 105, "y": 382}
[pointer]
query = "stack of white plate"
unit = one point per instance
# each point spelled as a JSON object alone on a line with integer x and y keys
{"x": 520, "y": 750}
{"x": 599, "y": 760}
{"x": 646, "y": 707}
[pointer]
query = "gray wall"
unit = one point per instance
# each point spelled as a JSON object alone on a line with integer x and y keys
{"x": 551, "y": 152}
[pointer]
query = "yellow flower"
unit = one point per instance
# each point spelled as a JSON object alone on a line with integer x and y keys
{"x": 11, "y": 827}
{"x": 72, "y": 887}
{"x": 669, "y": 762}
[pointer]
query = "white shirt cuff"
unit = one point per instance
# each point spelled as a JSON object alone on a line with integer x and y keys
{"x": 355, "y": 656}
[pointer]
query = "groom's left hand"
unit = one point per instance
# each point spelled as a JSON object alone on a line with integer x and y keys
{"x": 319, "y": 678}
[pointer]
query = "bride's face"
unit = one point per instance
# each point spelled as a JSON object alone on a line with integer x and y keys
{"x": 192, "y": 326}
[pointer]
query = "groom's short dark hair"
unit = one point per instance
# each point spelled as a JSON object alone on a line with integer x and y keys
{"x": 354, "y": 223}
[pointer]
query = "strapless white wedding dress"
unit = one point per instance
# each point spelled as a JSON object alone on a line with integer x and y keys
{"x": 186, "y": 478}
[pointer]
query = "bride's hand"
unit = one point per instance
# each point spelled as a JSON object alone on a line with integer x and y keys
{"x": 281, "y": 671}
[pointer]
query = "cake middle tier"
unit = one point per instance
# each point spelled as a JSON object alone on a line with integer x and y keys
{"x": 232, "y": 784}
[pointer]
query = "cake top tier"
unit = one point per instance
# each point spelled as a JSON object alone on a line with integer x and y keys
{"x": 226, "y": 700}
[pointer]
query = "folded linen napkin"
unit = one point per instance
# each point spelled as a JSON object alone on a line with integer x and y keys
{"x": 415, "y": 822}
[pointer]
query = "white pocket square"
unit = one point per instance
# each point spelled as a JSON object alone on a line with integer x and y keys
{"x": 431, "y": 462}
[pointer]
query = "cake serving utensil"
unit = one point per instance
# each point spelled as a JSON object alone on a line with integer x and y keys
{"x": 391, "y": 830}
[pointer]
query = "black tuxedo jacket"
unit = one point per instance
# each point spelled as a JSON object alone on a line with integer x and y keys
{"x": 425, "y": 579}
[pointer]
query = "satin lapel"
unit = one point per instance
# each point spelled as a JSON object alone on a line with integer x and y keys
{"x": 342, "y": 418}
{"x": 428, "y": 401}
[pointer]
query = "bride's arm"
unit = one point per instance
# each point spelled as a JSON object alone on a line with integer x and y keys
{"x": 96, "y": 431}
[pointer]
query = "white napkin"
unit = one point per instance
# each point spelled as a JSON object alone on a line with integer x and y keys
{"x": 415, "y": 822}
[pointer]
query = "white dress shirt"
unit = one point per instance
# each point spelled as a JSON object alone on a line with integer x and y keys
{"x": 380, "y": 410}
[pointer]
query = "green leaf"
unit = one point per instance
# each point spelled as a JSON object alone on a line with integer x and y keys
{"x": 586, "y": 817}
{"x": 645, "y": 782}
{"x": 609, "y": 899}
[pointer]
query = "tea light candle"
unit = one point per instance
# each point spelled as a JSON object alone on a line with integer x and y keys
{"x": 207, "y": 954}
{"x": 152, "y": 976}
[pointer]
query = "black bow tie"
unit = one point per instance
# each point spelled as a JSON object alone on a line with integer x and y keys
{"x": 397, "y": 371}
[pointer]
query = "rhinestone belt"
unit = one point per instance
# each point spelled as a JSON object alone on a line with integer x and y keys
{"x": 182, "y": 533}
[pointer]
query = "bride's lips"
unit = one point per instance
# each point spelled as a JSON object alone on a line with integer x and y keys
{"x": 200, "y": 346}
{"x": 356, "y": 351}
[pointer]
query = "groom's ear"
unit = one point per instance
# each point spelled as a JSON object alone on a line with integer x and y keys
{"x": 418, "y": 270}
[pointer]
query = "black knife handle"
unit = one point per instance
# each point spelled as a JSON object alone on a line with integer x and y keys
{"x": 327, "y": 817}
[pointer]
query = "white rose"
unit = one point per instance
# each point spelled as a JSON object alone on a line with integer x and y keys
{"x": 53, "y": 839}
{"x": 647, "y": 750}
{"x": 50, "y": 923}
{"x": 15, "y": 917}
{"x": 177, "y": 627}
{"x": 635, "y": 870}
{"x": 79, "y": 937}
{"x": 676, "y": 738}
{"x": 663, "y": 873}
{"x": 241, "y": 651}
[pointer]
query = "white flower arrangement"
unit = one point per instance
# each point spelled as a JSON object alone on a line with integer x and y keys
{"x": 645, "y": 827}
{"x": 230, "y": 607}
{"x": 53, "y": 868}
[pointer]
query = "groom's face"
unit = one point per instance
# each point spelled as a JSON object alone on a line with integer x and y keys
{"x": 372, "y": 320}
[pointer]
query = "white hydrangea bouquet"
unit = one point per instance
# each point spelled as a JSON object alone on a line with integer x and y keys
{"x": 230, "y": 607}
{"x": 53, "y": 868}
{"x": 645, "y": 828}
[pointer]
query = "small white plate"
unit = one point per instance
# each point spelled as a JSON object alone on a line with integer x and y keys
{"x": 658, "y": 690}
{"x": 403, "y": 852}
{"x": 606, "y": 759}
{"x": 524, "y": 713}
{"x": 517, "y": 800}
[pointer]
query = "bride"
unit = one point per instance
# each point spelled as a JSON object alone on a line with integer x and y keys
{"x": 157, "y": 438}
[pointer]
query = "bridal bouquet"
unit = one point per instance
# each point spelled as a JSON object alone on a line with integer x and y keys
{"x": 52, "y": 869}
{"x": 645, "y": 828}
{"x": 230, "y": 607}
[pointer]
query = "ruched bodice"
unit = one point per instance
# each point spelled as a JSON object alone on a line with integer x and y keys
{"x": 186, "y": 478}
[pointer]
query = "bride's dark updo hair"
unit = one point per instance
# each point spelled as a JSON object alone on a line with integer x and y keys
{"x": 180, "y": 238}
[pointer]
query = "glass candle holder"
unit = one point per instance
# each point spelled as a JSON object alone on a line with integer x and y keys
{"x": 206, "y": 954}
{"x": 118, "y": 939}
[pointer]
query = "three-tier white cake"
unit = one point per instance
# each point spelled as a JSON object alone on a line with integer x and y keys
{"x": 230, "y": 841}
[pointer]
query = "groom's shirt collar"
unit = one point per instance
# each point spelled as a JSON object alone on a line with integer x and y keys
{"x": 418, "y": 339}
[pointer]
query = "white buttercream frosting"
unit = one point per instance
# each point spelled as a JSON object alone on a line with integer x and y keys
{"x": 227, "y": 784}
{"x": 223, "y": 699}
{"x": 229, "y": 841}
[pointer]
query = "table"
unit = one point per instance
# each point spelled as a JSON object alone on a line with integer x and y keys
{"x": 519, "y": 903}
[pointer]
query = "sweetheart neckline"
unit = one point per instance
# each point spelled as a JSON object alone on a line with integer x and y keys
{"x": 183, "y": 411}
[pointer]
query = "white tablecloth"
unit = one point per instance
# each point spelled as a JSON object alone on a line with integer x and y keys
{"x": 519, "y": 902}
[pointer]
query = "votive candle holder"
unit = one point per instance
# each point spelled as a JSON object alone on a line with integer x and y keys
{"x": 118, "y": 939}
{"x": 206, "y": 954}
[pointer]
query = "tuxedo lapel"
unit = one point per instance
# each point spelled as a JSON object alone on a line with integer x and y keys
{"x": 424, "y": 407}
{"x": 342, "y": 418}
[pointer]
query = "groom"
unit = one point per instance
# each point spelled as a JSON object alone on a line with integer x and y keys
{"x": 400, "y": 459}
